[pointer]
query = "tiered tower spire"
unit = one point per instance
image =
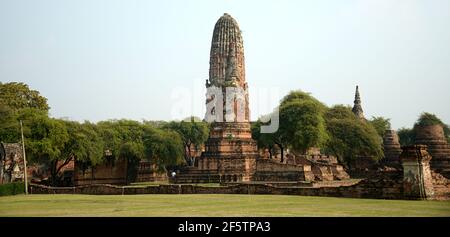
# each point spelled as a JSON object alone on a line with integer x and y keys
{"x": 227, "y": 70}
{"x": 227, "y": 52}
{"x": 357, "y": 108}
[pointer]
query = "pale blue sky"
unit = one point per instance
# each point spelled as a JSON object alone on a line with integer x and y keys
{"x": 97, "y": 60}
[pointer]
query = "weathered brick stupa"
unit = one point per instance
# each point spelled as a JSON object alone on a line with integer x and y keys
{"x": 392, "y": 149}
{"x": 230, "y": 152}
{"x": 438, "y": 147}
{"x": 357, "y": 108}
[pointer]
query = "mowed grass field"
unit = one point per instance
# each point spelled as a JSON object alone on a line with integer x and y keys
{"x": 213, "y": 205}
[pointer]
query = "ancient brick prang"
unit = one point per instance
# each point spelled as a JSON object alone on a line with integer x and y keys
{"x": 227, "y": 53}
{"x": 227, "y": 73}
{"x": 230, "y": 152}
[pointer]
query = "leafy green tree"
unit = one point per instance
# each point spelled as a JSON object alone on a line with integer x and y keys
{"x": 351, "y": 137}
{"x": 281, "y": 141}
{"x": 270, "y": 140}
{"x": 14, "y": 97}
{"x": 9, "y": 124}
{"x": 18, "y": 95}
{"x": 111, "y": 138}
{"x": 193, "y": 132}
{"x": 301, "y": 121}
{"x": 165, "y": 147}
{"x": 303, "y": 125}
{"x": 381, "y": 125}
{"x": 406, "y": 136}
{"x": 84, "y": 144}
{"x": 426, "y": 119}
{"x": 45, "y": 139}
{"x": 299, "y": 95}
{"x": 123, "y": 139}
{"x": 264, "y": 140}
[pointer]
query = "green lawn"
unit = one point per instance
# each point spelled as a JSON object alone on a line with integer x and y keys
{"x": 213, "y": 205}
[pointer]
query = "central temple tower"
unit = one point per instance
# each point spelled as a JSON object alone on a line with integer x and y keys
{"x": 230, "y": 152}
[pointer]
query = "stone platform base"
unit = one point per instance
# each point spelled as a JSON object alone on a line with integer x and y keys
{"x": 238, "y": 170}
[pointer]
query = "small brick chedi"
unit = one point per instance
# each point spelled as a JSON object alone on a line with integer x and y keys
{"x": 392, "y": 149}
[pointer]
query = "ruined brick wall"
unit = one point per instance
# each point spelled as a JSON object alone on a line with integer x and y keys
{"x": 323, "y": 167}
{"x": 108, "y": 173}
{"x": 269, "y": 170}
{"x": 148, "y": 172}
{"x": 359, "y": 190}
{"x": 327, "y": 159}
{"x": 361, "y": 166}
{"x": 441, "y": 186}
{"x": 322, "y": 172}
{"x": 381, "y": 185}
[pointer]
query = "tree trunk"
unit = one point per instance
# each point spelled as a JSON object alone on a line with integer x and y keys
{"x": 53, "y": 172}
{"x": 66, "y": 162}
{"x": 187, "y": 154}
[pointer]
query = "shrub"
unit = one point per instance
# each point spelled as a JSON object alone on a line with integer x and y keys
{"x": 12, "y": 188}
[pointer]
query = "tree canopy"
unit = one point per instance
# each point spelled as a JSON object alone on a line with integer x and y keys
{"x": 165, "y": 146}
{"x": 426, "y": 119}
{"x": 351, "y": 137}
{"x": 305, "y": 122}
{"x": 17, "y": 95}
{"x": 380, "y": 124}
{"x": 267, "y": 140}
{"x": 406, "y": 136}
{"x": 9, "y": 124}
{"x": 302, "y": 124}
{"x": 193, "y": 133}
